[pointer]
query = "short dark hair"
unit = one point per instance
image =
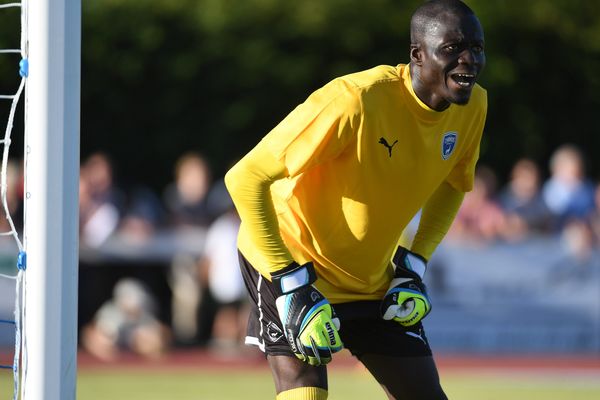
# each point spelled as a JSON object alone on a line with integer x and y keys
{"x": 432, "y": 10}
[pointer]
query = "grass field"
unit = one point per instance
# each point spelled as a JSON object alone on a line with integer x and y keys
{"x": 346, "y": 383}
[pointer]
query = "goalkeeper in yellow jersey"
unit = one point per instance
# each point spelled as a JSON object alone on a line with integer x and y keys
{"x": 325, "y": 196}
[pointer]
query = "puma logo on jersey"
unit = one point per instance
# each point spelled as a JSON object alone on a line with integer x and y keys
{"x": 387, "y": 145}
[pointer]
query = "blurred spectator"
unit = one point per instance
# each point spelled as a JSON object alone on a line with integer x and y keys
{"x": 143, "y": 216}
{"x": 193, "y": 203}
{"x": 14, "y": 197}
{"x": 98, "y": 172}
{"x": 222, "y": 313}
{"x": 522, "y": 201}
{"x": 480, "y": 217}
{"x": 127, "y": 322}
{"x": 187, "y": 198}
{"x": 578, "y": 239}
{"x": 99, "y": 201}
{"x": 568, "y": 193}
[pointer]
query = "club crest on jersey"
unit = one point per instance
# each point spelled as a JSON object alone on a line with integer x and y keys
{"x": 448, "y": 144}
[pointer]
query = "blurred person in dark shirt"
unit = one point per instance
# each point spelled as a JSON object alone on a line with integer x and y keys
{"x": 192, "y": 204}
{"x": 143, "y": 216}
{"x": 100, "y": 201}
{"x": 187, "y": 197}
{"x": 523, "y": 203}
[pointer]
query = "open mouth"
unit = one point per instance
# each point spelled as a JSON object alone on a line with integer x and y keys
{"x": 463, "y": 80}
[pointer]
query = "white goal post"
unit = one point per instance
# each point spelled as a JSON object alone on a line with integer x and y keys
{"x": 52, "y": 109}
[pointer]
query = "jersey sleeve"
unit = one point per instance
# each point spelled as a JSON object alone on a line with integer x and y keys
{"x": 437, "y": 216}
{"x": 318, "y": 129}
{"x": 462, "y": 175}
{"x": 248, "y": 183}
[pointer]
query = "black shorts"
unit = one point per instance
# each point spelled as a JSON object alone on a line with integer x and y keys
{"x": 362, "y": 331}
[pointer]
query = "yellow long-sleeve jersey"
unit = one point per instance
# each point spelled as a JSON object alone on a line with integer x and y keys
{"x": 338, "y": 180}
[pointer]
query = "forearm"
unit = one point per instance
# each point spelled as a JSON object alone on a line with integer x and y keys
{"x": 436, "y": 218}
{"x": 248, "y": 183}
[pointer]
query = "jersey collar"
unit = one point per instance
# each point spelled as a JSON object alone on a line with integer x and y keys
{"x": 420, "y": 109}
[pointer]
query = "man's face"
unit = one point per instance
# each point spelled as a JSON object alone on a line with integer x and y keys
{"x": 451, "y": 56}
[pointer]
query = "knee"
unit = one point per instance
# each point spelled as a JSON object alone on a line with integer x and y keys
{"x": 290, "y": 373}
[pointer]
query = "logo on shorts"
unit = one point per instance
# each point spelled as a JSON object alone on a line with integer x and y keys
{"x": 274, "y": 333}
{"x": 417, "y": 335}
{"x": 448, "y": 144}
{"x": 315, "y": 296}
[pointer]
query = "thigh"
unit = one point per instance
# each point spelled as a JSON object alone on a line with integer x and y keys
{"x": 266, "y": 332}
{"x": 290, "y": 373}
{"x": 264, "y": 326}
{"x": 411, "y": 378}
{"x": 398, "y": 357}
{"x": 363, "y": 331}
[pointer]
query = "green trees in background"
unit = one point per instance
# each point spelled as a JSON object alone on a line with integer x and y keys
{"x": 161, "y": 77}
{"x": 542, "y": 79}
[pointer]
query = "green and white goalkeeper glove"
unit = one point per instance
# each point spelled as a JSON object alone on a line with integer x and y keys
{"x": 309, "y": 322}
{"x": 406, "y": 300}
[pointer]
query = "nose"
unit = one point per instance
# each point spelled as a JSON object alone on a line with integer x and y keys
{"x": 470, "y": 56}
{"x": 466, "y": 57}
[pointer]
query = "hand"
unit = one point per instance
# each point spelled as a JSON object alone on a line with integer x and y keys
{"x": 406, "y": 300}
{"x": 309, "y": 322}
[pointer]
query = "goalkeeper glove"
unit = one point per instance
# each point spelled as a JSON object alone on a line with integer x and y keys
{"x": 309, "y": 323}
{"x": 406, "y": 300}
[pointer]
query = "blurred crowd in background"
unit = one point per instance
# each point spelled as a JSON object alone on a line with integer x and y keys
{"x": 566, "y": 203}
{"x": 191, "y": 227}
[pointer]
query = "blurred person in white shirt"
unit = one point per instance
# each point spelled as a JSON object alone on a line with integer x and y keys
{"x": 223, "y": 308}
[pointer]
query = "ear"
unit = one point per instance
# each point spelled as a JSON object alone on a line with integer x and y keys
{"x": 415, "y": 54}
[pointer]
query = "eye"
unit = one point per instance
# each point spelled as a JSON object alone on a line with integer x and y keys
{"x": 451, "y": 48}
{"x": 478, "y": 49}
